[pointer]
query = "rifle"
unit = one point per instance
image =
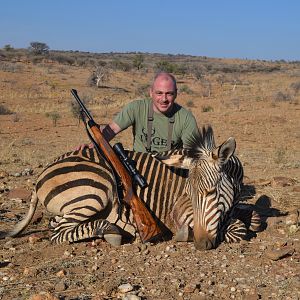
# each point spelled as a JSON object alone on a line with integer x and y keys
{"x": 146, "y": 225}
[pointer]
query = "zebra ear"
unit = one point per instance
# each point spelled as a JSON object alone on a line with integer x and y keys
{"x": 226, "y": 150}
{"x": 176, "y": 160}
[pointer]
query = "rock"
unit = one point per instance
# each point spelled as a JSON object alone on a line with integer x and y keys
{"x": 296, "y": 189}
{"x": 281, "y": 181}
{"x": 34, "y": 238}
{"x": 293, "y": 229}
{"x": 43, "y": 296}
{"x": 131, "y": 297}
{"x": 3, "y": 174}
{"x": 60, "y": 287}
{"x": 125, "y": 288}
{"x": 19, "y": 194}
{"x": 61, "y": 273}
{"x": 276, "y": 254}
{"x": 292, "y": 218}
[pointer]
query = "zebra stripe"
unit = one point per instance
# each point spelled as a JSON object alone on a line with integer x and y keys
{"x": 80, "y": 187}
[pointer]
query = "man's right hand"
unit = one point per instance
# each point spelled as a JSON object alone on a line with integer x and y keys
{"x": 82, "y": 146}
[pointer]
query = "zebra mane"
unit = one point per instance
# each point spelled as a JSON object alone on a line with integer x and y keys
{"x": 202, "y": 142}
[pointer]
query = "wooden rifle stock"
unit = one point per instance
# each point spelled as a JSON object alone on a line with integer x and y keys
{"x": 147, "y": 227}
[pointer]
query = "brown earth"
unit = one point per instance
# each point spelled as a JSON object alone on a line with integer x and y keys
{"x": 266, "y": 128}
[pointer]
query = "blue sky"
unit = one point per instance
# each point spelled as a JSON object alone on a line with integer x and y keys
{"x": 253, "y": 29}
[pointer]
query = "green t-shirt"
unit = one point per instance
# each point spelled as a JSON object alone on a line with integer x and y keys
{"x": 136, "y": 114}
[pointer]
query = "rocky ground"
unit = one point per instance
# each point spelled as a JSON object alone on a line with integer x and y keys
{"x": 266, "y": 267}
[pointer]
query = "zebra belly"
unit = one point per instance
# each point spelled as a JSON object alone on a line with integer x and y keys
{"x": 75, "y": 186}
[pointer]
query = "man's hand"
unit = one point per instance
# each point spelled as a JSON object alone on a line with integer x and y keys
{"x": 82, "y": 146}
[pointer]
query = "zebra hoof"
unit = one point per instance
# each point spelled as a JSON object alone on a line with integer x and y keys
{"x": 184, "y": 234}
{"x": 113, "y": 239}
{"x": 54, "y": 221}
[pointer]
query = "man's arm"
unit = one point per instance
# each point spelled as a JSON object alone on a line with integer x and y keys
{"x": 111, "y": 130}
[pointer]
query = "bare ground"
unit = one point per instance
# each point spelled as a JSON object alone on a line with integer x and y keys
{"x": 267, "y": 132}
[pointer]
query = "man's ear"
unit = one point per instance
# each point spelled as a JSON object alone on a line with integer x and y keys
{"x": 150, "y": 92}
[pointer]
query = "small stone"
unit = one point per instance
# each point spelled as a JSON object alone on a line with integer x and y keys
{"x": 29, "y": 271}
{"x": 61, "y": 273}
{"x": 34, "y": 238}
{"x": 189, "y": 288}
{"x": 3, "y": 174}
{"x": 67, "y": 253}
{"x": 125, "y": 288}
{"x": 292, "y": 218}
{"x": 293, "y": 229}
{"x": 146, "y": 252}
{"x": 131, "y": 297}
{"x": 61, "y": 286}
{"x": 95, "y": 267}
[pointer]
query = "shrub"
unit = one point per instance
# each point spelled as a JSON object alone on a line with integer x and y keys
{"x": 186, "y": 89}
{"x": 296, "y": 87}
{"x": 282, "y": 97}
{"x": 190, "y": 103}
{"x": 4, "y": 110}
{"x": 165, "y": 66}
{"x": 142, "y": 90}
{"x": 54, "y": 116}
{"x": 138, "y": 61}
{"x": 8, "y": 48}
{"x": 207, "y": 108}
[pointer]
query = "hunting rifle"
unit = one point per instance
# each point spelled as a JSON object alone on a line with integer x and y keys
{"x": 146, "y": 225}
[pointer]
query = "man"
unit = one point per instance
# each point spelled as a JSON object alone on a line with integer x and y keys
{"x": 158, "y": 124}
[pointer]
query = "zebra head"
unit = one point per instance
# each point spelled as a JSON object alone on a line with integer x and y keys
{"x": 209, "y": 187}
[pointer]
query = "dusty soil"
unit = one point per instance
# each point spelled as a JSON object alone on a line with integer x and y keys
{"x": 266, "y": 128}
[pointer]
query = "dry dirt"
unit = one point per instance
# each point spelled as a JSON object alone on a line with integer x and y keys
{"x": 266, "y": 128}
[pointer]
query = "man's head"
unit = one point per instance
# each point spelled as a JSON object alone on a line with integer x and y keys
{"x": 163, "y": 92}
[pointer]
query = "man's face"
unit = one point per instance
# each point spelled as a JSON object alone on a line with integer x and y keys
{"x": 163, "y": 94}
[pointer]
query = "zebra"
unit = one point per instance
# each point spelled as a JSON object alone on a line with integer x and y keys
{"x": 193, "y": 194}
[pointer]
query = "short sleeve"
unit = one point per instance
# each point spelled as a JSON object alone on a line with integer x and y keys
{"x": 126, "y": 117}
{"x": 190, "y": 129}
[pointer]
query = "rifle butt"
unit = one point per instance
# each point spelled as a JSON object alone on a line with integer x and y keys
{"x": 146, "y": 225}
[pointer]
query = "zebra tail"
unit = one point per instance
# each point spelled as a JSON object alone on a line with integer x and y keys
{"x": 19, "y": 227}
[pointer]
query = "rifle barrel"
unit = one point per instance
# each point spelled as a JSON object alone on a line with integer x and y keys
{"x": 82, "y": 106}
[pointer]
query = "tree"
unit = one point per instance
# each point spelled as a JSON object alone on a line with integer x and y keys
{"x": 8, "y": 47}
{"x": 38, "y": 48}
{"x": 138, "y": 61}
{"x": 99, "y": 76}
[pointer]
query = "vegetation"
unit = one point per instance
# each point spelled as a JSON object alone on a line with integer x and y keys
{"x": 4, "y": 110}
{"x": 38, "y": 48}
{"x": 54, "y": 116}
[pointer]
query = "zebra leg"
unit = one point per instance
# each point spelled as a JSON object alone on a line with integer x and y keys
{"x": 248, "y": 216}
{"x": 72, "y": 229}
{"x": 182, "y": 218}
{"x": 54, "y": 221}
{"x": 184, "y": 234}
{"x": 235, "y": 231}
